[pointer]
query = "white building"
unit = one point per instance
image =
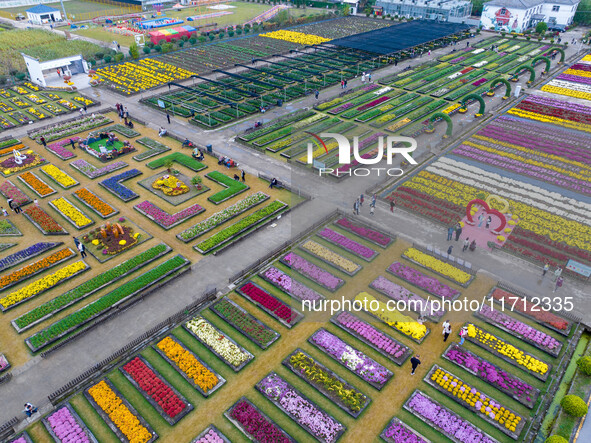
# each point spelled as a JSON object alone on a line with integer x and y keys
{"x": 520, "y": 15}
{"x": 42, "y": 14}
{"x": 42, "y": 71}
{"x": 446, "y": 10}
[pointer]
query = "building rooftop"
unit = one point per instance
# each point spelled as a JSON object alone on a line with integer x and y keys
{"x": 526, "y": 4}
{"x": 41, "y": 9}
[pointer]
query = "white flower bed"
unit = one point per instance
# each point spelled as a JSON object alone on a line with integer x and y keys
{"x": 573, "y": 86}
{"x": 480, "y": 64}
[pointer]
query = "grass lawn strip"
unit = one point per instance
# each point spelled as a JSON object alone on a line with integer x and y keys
{"x": 26, "y": 254}
{"x": 177, "y": 157}
{"x": 153, "y": 148}
{"x": 233, "y": 187}
{"x": 100, "y": 306}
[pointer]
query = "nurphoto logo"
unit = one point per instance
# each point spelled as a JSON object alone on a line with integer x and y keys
{"x": 387, "y": 145}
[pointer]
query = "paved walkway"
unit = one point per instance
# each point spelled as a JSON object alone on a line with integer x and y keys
{"x": 40, "y": 376}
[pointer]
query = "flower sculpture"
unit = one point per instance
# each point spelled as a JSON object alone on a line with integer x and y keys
{"x": 170, "y": 185}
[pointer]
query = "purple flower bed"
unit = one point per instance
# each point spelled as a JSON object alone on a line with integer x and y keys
{"x": 377, "y": 338}
{"x": 313, "y": 272}
{"x": 21, "y": 439}
{"x": 289, "y": 285}
{"x": 353, "y": 359}
{"x": 400, "y": 293}
{"x": 398, "y": 432}
{"x": 445, "y": 420}
{"x": 363, "y": 232}
{"x": 524, "y": 331}
{"x": 163, "y": 218}
{"x": 112, "y": 184}
{"x": 9, "y": 190}
{"x": 493, "y": 375}
{"x": 575, "y": 78}
{"x": 457, "y": 60}
{"x": 25, "y": 254}
{"x": 346, "y": 243}
{"x": 479, "y": 82}
{"x": 362, "y": 145}
{"x": 10, "y": 162}
{"x": 420, "y": 280}
{"x": 581, "y": 67}
{"x": 341, "y": 108}
{"x": 92, "y": 171}
{"x": 316, "y": 421}
{"x": 66, "y": 427}
{"x": 58, "y": 148}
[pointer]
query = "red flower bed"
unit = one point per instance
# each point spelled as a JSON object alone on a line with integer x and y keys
{"x": 256, "y": 425}
{"x": 269, "y": 302}
{"x": 528, "y": 308}
{"x": 562, "y": 247}
{"x": 427, "y": 206}
{"x": 43, "y": 219}
{"x": 554, "y": 112}
{"x": 373, "y": 103}
{"x": 155, "y": 387}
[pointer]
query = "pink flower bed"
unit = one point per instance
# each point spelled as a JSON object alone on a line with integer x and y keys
{"x": 346, "y": 243}
{"x": 313, "y": 272}
{"x": 373, "y": 103}
{"x": 363, "y": 232}
{"x": 289, "y": 285}
{"x": 428, "y": 284}
{"x": 58, "y": 148}
{"x": 400, "y": 293}
{"x": 66, "y": 428}
{"x": 163, "y": 218}
{"x": 8, "y": 190}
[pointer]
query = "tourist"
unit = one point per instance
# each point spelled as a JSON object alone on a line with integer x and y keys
{"x": 374, "y": 198}
{"x": 162, "y": 132}
{"x": 9, "y": 202}
{"x": 43, "y": 141}
{"x": 466, "y": 244}
{"x": 559, "y": 282}
{"x": 473, "y": 246}
{"x": 415, "y": 362}
{"x": 316, "y": 94}
{"x": 361, "y": 200}
{"x": 81, "y": 112}
{"x": 36, "y": 202}
{"x": 17, "y": 209}
{"x": 450, "y": 233}
{"x": 92, "y": 116}
{"x": 243, "y": 175}
{"x": 126, "y": 112}
{"x": 85, "y": 109}
{"x": 480, "y": 220}
{"x": 458, "y": 231}
{"x": 429, "y": 53}
{"x": 463, "y": 333}
{"x": 449, "y": 250}
{"x": 545, "y": 270}
{"x": 130, "y": 124}
{"x": 392, "y": 204}
{"x": 59, "y": 74}
{"x": 342, "y": 84}
{"x": 356, "y": 206}
{"x": 4, "y": 213}
{"x": 488, "y": 222}
{"x": 557, "y": 273}
{"x": 30, "y": 409}
{"x": 273, "y": 183}
{"x": 82, "y": 250}
{"x": 168, "y": 117}
{"x": 73, "y": 144}
{"x": 345, "y": 84}
{"x": 446, "y": 330}
{"x": 76, "y": 242}
{"x": 372, "y": 209}
{"x": 369, "y": 77}
{"x": 236, "y": 177}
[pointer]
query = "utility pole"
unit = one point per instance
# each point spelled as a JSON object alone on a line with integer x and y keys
{"x": 64, "y": 9}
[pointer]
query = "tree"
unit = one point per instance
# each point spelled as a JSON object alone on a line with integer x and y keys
{"x": 211, "y": 37}
{"x": 119, "y": 56}
{"x": 146, "y": 50}
{"x": 134, "y": 51}
{"x": 583, "y": 14}
{"x": 541, "y": 28}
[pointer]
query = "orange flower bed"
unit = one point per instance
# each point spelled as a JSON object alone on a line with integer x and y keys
{"x": 25, "y": 272}
{"x": 37, "y": 185}
{"x": 6, "y": 151}
{"x": 93, "y": 201}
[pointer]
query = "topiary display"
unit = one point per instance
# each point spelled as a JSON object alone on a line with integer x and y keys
{"x": 556, "y": 439}
{"x": 574, "y": 405}
{"x": 584, "y": 364}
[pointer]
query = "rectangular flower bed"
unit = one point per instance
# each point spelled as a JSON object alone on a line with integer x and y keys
{"x": 169, "y": 402}
{"x": 509, "y": 353}
{"x": 344, "y": 242}
{"x": 115, "y": 187}
{"x": 59, "y": 148}
{"x": 221, "y": 217}
{"x": 362, "y": 231}
{"x": 29, "y": 159}
{"x": 504, "y": 419}
{"x": 226, "y": 349}
{"x": 232, "y": 187}
{"x": 521, "y": 330}
{"x": 35, "y": 184}
{"x": 352, "y": 359}
{"x": 71, "y": 213}
{"x": 58, "y": 176}
{"x": 89, "y": 287}
{"x": 123, "y": 130}
{"x": 34, "y": 268}
{"x": 180, "y": 158}
{"x": 312, "y": 272}
{"x": 4, "y": 364}
{"x": 438, "y": 267}
{"x": 526, "y": 308}
{"x": 383, "y": 343}
{"x": 39, "y": 286}
{"x": 211, "y": 434}
{"x": 122, "y": 418}
{"x": 7, "y": 229}
{"x": 495, "y": 376}
{"x": 64, "y": 425}
{"x": 255, "y": 425}
{"x": 26, "y": 254}
{"x": 330, "y": 257}
{"x": 163, "y": 218}
{"x": 412, "y": 301}
{"x": 92, "y": 171}
{"x": 287, "y": 284}
{"x": 444, "y": 420}
{"x": 422, "y": 281}
{"x": 272, "y": 305}
{"x": 249, "y": 326}
{"x": 399, "y": 432}
{"x": 321, "y": 425}
{"x": 343, "y": 394}
{"x": 95, "y": 203}
{"x": 104, "y": 304}
{"x": 23, "y": 437}
{"x": 153, "y": 148}
{"x": 197, "y": 373}
{"x": 230, "y": 233}
{"x": 67, "y": 129}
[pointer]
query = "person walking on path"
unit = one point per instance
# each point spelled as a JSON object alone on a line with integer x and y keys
{"x": 10, "y": 203}
{"x": 446, "y": 330}
{"x": 480, "y": 220}
{"x": 273, "y": 183}
{"x": 81, "y": 110}
{"x": 36, "y": 202}
{"x": 345, "y": 84}
{"x": 85, "y": 109}
{"x": 473, "y": 246}
{"x": 415, "y": 362}
{"x": 449, "y": 250}
{"x": 372, "y": 209}
{"x": 559, "y": 282}
{"x": 76, "y": 242}
{"x": 4, "y": 213}
{"x": 450, "y": 233}
{"x": 466, "y": 244}
{"x": 392, "y": 204}
{"x": 545, "y": 270}
{"x": 43, "y": 141}
{"x": 316, "y": 94}
{"x": 557, "y": 273}
{"x": 356, "y": 207}
{"x": 73, "y": 144}
{"x": 82, "y": 250}
{"x": 243, "y": 175}
{"x": 458, "y": 231}
{"x": 361, "y": 200}
{"x": 168, "y": 117}
{"x": 374, "y": 199}
{"x": 30, "y": 409}
{"x": 17, "y": 209}
{"x": 488, "y": 222}
{"x": 463, "y": 333}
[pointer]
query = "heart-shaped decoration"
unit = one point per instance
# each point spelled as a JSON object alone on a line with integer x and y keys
{"x": 495, "y": 198}
{"x": 489, "y": 211}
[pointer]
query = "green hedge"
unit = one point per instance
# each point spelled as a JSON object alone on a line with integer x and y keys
{"x": 180, "y": 158}
{"x": 584, "y": 364}
{"x": 233, "y": 187}
{"x": 574, "y": 405}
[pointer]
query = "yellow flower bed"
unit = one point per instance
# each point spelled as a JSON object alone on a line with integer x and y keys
{"x": 120, "y": 414}
{"x": 42, "y": 284}
{"x": 331, "y": 257}
{"x": 60, "y": 177}
{"x": 71, "y": 212}
{"x": 567, "y": 92}
{"x": 577, "y": 72}
{"x": 475, "y": 399}
{"x": 437, "y": 265}
{"x": 406, "y": 325}
{"x": 296, "y": 37}
{"x": 510, "y": 351}
{"x": 549, "y": 119}
{"x": 451, "y": 108}
{"x": 187, "y": 363}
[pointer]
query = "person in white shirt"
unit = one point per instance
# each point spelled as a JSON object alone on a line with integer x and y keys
{"x": 446, "y": 330}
